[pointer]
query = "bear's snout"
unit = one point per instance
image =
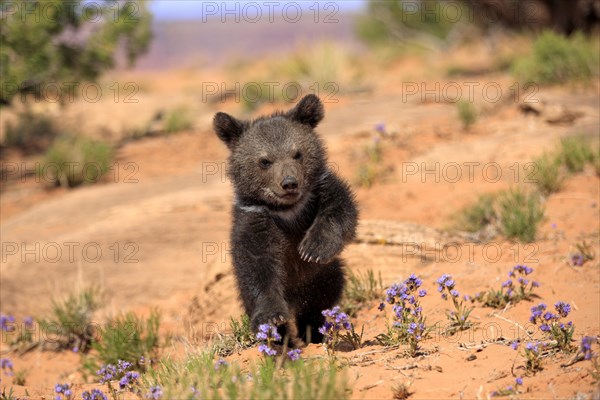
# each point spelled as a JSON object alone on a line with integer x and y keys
{"x": 289, "y": 184}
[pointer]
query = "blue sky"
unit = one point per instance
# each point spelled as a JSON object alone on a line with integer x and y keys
{"x": 194, "y": 9}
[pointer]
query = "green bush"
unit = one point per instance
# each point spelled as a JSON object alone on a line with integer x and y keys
{"x": 556, "y": 59}
{"x": 126, "y": 337}
{"x": 393, "y": 21}
{"x": 520, "y": 214}
{"x": 71, "y": 161}
{"x": 61, "y": 43}
{"x": 71, "y": 320}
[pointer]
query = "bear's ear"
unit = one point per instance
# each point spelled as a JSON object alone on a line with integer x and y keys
{"x": 228, "y": 128}
{"x": 309, "y": 111}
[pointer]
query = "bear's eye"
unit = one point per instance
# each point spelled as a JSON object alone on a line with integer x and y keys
{"x": 264, "y": 163}
{"x": 298, "y": 156}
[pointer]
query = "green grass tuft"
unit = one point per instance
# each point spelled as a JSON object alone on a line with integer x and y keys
{"x": 477, "y": 216}
{"x": 466, "y": 113}
{"x": 178, "y": 119}
{"x": 241, "y": 337}
{"x": 361, "y": 288}
{"x": 126, "y": 337}
{"x": 520, "y": 214}
{"x": 548, "y": 177}
{"x": 575, "y": 152}
{"x": 71, "y": 320}
{"x": 516, "y": 213}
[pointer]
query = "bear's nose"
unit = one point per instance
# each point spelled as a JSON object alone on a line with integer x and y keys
{"x": 289, "y": 183}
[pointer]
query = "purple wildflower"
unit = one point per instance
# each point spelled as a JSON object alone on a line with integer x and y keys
{"x": 335, "y": 321}
{"x": 155, "y": 393}
{"x": 507, "y": 283}
{"x": 110, "y": 372}
{"x": 586, "y": 347}
{"x": 263, "y": 348}
{"x": 28, "y": 321}
{"x": 63, "y": 390}
{"x": 577, "y": 259}
{"x": 7, "y": 366}
{"x": 268, "y": 333}
{"x": 536, "y": 312}
{"x": 220, "y": 363}
{"x": 294, "y": 354}
{"x": 128, "y": 380}
{"x": 549, "y": 316}
{"x": 563, "y": 309}
{"x": 380, "y": 128}
{"x": 95, "y": 394}
{"x": 515, "y": 345}
{"x": 519, "y": 381}
{"x": 523, "y": 281}
{"x": 6, "y": 322}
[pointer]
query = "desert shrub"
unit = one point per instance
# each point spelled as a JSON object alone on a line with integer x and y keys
{"x": 548, "y": 177}
{"x": 477, "y": 216}
{"x": 126, "y": 337}
{"x": 241, "y": 337}
{"x": 71, "y": 320}
{"x": 427, "y": 23}
{"x": 199, "y": 375}
{"x": 575, "y": 152}
{"x": 520, "y": 213}
{"x": 466, "y": 113}
{"x": 360, "y": 289}
{"x": 32, "y": 132}
{"x": 556, "y": 59}
{"x": 72, "y": 161}
{"x": 178, "y": 119}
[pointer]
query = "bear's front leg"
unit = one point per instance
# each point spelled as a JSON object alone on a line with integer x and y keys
{"x": 259, "y": 270}
{"x": 334, "y": 225}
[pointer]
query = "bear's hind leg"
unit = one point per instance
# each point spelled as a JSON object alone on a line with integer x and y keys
{"x": 322, "y": 292}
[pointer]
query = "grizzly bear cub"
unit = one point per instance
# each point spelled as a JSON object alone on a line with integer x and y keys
{"x": 292, "y": 217}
